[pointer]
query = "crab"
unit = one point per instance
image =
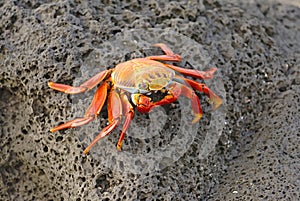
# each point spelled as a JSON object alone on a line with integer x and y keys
{"x": 130, "y": 84}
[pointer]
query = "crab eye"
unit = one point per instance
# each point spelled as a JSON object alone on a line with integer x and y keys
{"x": 143, "y": 85}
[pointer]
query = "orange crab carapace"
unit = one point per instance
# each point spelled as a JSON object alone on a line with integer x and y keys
{"x": 132, "y": 82}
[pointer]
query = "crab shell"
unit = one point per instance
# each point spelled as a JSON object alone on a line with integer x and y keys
{"x": 142, "y": 76}
{"x": 138, "y": 78}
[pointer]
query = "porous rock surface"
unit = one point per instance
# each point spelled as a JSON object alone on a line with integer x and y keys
{"x": 256, "y": 47}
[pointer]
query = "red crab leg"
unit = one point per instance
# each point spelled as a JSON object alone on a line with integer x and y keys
{"x": 128, "y": 111}
{"x": 114, "y": 107}
{"x": 208, "y": 74}
{"x": 170, "y": 55}
{"x": 92, "y": 111}
{"x": 216, "y": 100}
{"x": 89, "y": 84}
{"x": 195, "y": 102}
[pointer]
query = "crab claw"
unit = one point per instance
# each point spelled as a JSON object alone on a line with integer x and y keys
{"x": 142, "y": 102}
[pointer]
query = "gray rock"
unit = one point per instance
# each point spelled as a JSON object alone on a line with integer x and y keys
{"x": 246, "y": 150}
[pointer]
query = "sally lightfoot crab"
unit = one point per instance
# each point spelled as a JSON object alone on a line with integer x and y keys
{"x": 131, "y": 83}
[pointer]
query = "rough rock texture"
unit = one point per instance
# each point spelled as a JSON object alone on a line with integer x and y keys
{"x": 256, "y": 47}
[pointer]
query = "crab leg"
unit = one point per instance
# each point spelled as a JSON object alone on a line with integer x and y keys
{"x": 129, "y": 113}
{"x": 91, "y": 113}
{"x": 195, "y": 102}
{"x": 89, "y": 84}
{"x": 114, "y": 107}
{"x": 216, "y": 100}
{"x": 170, "y": 55}
{"x": 208, "y": 74}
